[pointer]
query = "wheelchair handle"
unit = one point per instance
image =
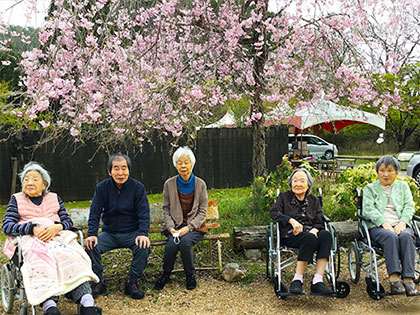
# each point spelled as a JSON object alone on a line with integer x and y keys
{"x": 326, "y": 219}
{"x": 416, "y": 218}
{"x": 76, "y": 228}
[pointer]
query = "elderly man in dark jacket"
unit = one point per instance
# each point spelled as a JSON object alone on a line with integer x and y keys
{"x": 299, "y": 215}
{"x": 122, "y": 204}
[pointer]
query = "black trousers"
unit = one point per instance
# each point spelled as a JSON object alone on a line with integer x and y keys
{"x": 307, "y": 243}
{"x": 185, "y": 246}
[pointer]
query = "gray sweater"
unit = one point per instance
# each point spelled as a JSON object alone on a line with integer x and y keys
{"x": 172, "y": 211}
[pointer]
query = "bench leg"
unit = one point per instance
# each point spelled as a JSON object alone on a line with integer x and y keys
{"x": 210, "y": 251}
{"x": 219, "y": 253}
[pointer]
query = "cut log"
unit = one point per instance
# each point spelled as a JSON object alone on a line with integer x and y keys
{"x": 255, "y": 236}
{"x": 249, "y": 237}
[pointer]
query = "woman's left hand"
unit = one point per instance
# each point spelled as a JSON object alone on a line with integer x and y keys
{"x": 48, "y": 233}
{"x": 400, "y": 227}
{"x": 314, "y": 231}
{"x": 184, "y": 231}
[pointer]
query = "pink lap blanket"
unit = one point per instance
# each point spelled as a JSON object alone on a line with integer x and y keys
{"x": 53, "y": 268}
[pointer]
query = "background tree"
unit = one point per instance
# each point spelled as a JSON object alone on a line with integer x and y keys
{"x": 404, "y": 113}
{"x": 110, "y": 70}
{"x": 390, "y": 49}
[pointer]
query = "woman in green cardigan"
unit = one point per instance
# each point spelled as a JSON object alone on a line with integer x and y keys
{"x": 388, "y": 203}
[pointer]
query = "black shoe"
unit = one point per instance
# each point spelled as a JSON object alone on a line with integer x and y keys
{"x": 296, "y": 287}
{"x": 410, "y": 289}
{"x": 98, "y": 288}
{"x": 52, "y": 311}
{"x": 397, "y": 287}
{"x": 132, "y": 289}
{"x": 160, "y": 283}
{"x": 320, "y": 289}
{"x": 191, "y": 283}
{"x": 91, "y": 310}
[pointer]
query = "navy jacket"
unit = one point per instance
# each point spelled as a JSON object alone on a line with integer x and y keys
{"x": 122, "y": 210}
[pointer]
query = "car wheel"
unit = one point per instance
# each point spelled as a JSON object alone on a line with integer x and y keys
{"x": 329, "y": 154}
{"x": 416, "y": 176}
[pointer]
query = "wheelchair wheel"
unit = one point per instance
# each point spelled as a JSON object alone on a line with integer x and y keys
{"x": 23, "y": 310}
{"x": 342, "y": 289}
{"x": 354, "y": 262}
{"x": 372, "y": 290}
{"x": 7, "y": 288}
{"x": 277, "y": 291}
{"x": 269, "y": 260}
{"x": 417, "y": 268}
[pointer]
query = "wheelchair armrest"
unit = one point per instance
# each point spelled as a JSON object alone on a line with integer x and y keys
{"x": 326, "y": 219}
{"x": 416, "y": 218}
{"x": 76, "y": 228}
{"x": 364, "y": 218}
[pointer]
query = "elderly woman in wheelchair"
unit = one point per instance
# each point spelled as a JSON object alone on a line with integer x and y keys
{"x": 300, "y": 217}
{"x": 50, "y": 260}
{"x": 389, "y": 207}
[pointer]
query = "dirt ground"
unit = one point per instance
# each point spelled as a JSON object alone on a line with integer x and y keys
{"x": 215, "y": 296}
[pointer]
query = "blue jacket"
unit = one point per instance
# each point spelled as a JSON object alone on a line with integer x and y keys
{"x": 122, "y": 210}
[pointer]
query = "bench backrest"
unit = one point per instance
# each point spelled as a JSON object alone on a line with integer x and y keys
{"x": 80, "y": 216}
{"x": 156, "y": 216}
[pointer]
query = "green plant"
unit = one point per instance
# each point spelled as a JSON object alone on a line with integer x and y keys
{"x": 414, "y": 191}
{"x": 340, "y": 199}
{"x": 264, "y": 191}
{"x": 260, "y": 200}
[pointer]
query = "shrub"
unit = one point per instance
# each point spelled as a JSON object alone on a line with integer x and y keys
{"x": 340, "y": 199}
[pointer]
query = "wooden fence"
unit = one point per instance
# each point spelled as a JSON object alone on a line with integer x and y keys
{"x": 224, "y": 160}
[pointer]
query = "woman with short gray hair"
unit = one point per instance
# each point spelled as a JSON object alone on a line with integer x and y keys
{"x": 184, "y": 209}
{"x": 389, "y": 205}
{"x": 300, "y": 217}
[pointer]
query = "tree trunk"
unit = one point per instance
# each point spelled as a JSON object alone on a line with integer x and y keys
{"x": 259, "y": 167}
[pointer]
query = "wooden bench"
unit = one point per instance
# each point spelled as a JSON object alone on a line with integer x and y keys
{"x": 80, "y": 218}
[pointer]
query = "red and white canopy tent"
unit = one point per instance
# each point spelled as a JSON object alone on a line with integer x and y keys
{"x": 326, "y": 114}
{"x": 330, "y": 116}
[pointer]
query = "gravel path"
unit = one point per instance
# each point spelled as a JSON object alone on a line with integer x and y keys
{"x": 215, "y": 296}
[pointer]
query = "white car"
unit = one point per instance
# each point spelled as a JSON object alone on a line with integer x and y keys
{"x": 316, "y": 145}
{"x": 412, "y": 162}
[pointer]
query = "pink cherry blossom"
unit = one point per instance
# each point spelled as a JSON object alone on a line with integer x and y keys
{"x": 124, "y": 70}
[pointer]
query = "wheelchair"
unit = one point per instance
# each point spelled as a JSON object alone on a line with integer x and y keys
{"x": 12, "y": 288}
{"x": 363, "y": 244}
{"x": 275, "y": 263}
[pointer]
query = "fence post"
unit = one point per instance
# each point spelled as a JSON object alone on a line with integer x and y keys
{"x": 14, "y": 174}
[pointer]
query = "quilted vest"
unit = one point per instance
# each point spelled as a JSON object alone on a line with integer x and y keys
{"x": 47, "y": 209}
{"x": 28, "y": 210}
